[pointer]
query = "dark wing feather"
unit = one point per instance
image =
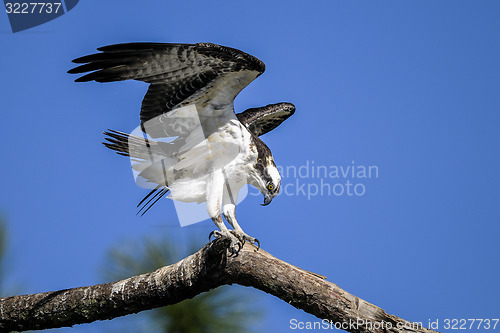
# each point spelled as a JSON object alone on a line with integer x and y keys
{"x": 176, "y": 72}
{"x": 132, "y": 146}
{"x": 162, "y": 98}
{"x": 264, "y": 119}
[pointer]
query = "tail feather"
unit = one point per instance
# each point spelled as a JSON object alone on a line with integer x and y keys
{"x": 138, "y": 148}
{"x": 156, "y": 194}
{"x": 130, "y": 145}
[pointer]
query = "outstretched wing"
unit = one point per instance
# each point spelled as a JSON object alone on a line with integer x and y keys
{"x": 179, "y": 74}
{"x": 264, "y": 119}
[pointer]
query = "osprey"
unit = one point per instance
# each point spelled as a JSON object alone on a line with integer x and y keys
{"x": 211, "y": 152}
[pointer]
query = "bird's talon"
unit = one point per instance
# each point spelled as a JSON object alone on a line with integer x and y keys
{"x": 236, "y": 242}
{"x": 216, "y": 233}
{"x": 243, "y": 237}
{"x": 233, "y": 251}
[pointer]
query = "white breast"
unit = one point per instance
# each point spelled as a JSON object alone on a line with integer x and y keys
{"x": 224, "y": 144}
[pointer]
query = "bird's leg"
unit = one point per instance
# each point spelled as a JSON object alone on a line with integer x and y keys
{"x": 229, "y": 214}
{"x": 229, "y": 211}
{"x": 215, "y": 189}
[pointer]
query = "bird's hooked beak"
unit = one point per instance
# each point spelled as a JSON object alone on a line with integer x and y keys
{"x": 267, "y": 200}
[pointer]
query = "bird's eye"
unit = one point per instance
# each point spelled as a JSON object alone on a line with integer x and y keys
{"x": 270, "y": 186}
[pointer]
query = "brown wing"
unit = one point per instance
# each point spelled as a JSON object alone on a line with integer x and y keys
{"x": 176, "y": 72}
{"x": 264, "y": 119}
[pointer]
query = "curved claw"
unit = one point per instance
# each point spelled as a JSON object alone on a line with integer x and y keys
{"x": 258, "y": 243}
{"x": 210, "y": 235}
{"x": 236, "y": 252}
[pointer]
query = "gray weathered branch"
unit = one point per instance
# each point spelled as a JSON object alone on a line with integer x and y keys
{"x": 206, "y": 269}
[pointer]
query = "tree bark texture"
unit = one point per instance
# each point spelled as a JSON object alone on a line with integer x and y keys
{"x": 210, "y": 267}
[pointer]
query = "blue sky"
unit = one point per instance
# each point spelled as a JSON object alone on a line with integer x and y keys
{"x": 410, "y": 87}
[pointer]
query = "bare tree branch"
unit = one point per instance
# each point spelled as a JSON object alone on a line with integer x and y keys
{"x": 206, "y": 269}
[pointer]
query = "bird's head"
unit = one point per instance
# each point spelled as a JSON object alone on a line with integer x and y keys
{"x": 265, "y": 176}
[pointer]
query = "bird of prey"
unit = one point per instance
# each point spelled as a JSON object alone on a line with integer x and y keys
{"x": 211, "y": 151}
